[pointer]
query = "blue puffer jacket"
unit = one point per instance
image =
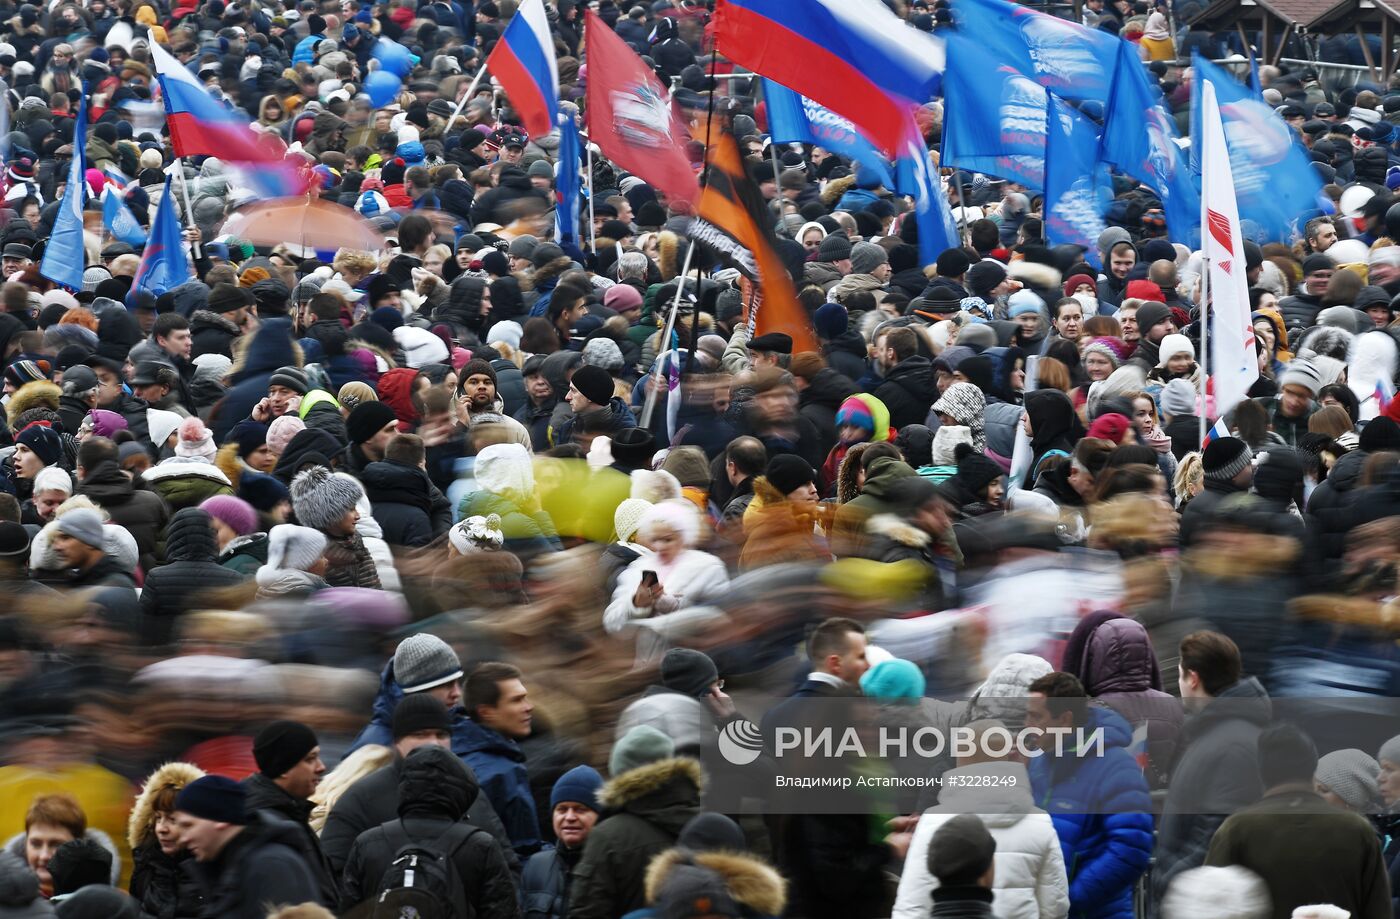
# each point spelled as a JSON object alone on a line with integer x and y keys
{"x": 1102, "y": 814}
{"x": 499, "y": 765}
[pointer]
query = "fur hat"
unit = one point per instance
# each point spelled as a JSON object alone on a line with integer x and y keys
{"x": 320, "y": 499}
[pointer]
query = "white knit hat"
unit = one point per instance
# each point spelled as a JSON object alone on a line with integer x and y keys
{"x": 946, "y": 440}
{"x": 161, "y": 424}
{"x": 1173, "y": 345}
{"x": 1217, "y": 893}
{"x": 53, "y": 478}
{"x": 294, "y": 547}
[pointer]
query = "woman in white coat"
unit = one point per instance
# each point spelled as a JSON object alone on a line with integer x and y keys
{"x": 684, "y": 576}
{"x": 1030, "y": 880}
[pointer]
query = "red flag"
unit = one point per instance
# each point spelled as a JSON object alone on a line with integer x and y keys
{"x": 630, "y": 116}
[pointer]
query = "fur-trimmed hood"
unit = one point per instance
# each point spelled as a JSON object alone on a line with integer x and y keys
{"x": 668, "y": 255}
{"x": 550, "y": 271}
{"x": 899, "y": 530}
{"x": 749, "y": 881}
{"x": 141, "y": 826}
{"x": 178, "y": 466}
{"x": 38, "y": 394}
{"x": 835, "y": 189}
{"x": 635, "y": 784}
{"x": 1034, "y": 274}
{"x": 214, "y": 320}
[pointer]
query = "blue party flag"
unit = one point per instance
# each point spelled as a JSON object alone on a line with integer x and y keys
{"x": 1077, "y": 186}
{"x": 164, "y": 265}
{"x": 64, "y": 256}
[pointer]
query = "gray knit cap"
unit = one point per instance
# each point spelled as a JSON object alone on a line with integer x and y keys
{"x": 423, "y": 661}
{"x": 1353, "y": 776}
{"x": 1390, "y": 750}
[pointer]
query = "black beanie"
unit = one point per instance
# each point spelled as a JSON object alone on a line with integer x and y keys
{"x": 1278, "y": 473}
{"x": 975, "y": 470}
{"x": 595, "y": 383}
{"x": 281, "y": 745}
{"x": 1380, "y": 433}
{"x": 689, "y": 672}
{"x": 106, "y": 131}
{"x": 214, "y": 797}
{"x": 419, "y": 711}
{"x": 367, "y": 419}
{"x": 787, "y": 473}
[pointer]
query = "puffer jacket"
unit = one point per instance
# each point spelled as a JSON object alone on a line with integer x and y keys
{"x": 245, "y": 554}
{"x": 264, "y": 794}
{"x": 435, "y": 792}
{"x": 1030, "y": 880}
{"x": 1336, "y": 491}
{"x": 1216, "y": 773}
{"x": 910, "y": 387}
{"x": 258, "y": 869}
{"x": 186, "y": 483}
{"x": 499, "y": 765}
{"x": 143, "y": 513}
{"x": 1102, "y": 814}
{"x": 646, "y": 809}
{"x": 544, "y": 884}
{"x": 618, "y": 416}
{"x": 404, "y": 505}
{"x": 756, "y": 888}
{"x": 191, "y": 569}
{"x": 374, "y": 799}
{"x": 1300, "y": 310}
{"x": 349, "y": 563}
{"x": 158, "y": 881}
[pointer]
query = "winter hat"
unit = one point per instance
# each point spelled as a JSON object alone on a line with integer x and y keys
{"x": 1352, "y": 775}
{"x": 694, "y": 891}
{"x": 105, "y": 423}
{"x": 604, "y": 353}
{"x": 893, "y": 679}
{"x": 1224, "y": 458}
{"x": 787, "y": 472}
{"x": 249, "y": 435}
{"x": 961, "y": 851}
{"x": 423, "y": 661}
{"x": 367, "y": 419}
{"x": 53, "y": 478}
{"x": 1024, "y": 301}
{"x": 688, "y": 672}
{"x": 235, "y": 513}
{"x": 1318, "y": 261}
{"x": 952, "y": 263}
{"x": 320, "y": 499}
{"x": 43, "y": 441}
{"x": 389, "y": 318}
{"x": 976, "y": 470}
{"x": 1278, "y": 471}
{"x": 984, "y": 276}
{"x": 281, "y": 745}
{"x": 834, "y": 248}
{"x": 417, "y": 712}
{"x": 831, "y": 320}
{"x": 420, "y": 347}
{"x": 211, "y": 367}
{"x": 1111, "y": 427}
{"x": 1301, "y": 372}
{"x": 945, "y": 443}
{"x": 1173, "y": 345}
{"x": 1178, "y": 397}
{"x": 83, "y": 524}
{"x": 213, "y": 797}
{"x": 1143, "y": 289}
{"x": 622, "y": 297}
{"x": 477, "y": 366}
{"x": 291, "y": 377}
{"x": 580, "y": 785}
{"x": 196, "y": 441}
{"x": 595, "y": 383}
{"x": 855, "y": 411}
{"x": 264, "y": 492}
{"x": 642, "y": 745}
{"x": 866, "y": 257}
{"x": 293, "y": 548}
{"x": 281, "y": 432}
{"x": 1390, "y": 751}
{"x": 1150, "y": 314}
{"x": 1102, "y": 346}
{"x": 688, "y": 465}
{"x": 1216, "y": 893}
{"x": 628, "y": 517}
{"x": 1075, "y": 280}
{"x": 1380, "y": 433}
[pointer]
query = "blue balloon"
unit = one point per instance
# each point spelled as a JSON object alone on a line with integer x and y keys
{"x": 383, "y": 87}
{"x": 395, "y": 57}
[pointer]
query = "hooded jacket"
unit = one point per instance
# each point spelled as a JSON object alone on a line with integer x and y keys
{"x": 647, "y": 807}
{"x": 259, "y": 868}
{"x": 910, "y": 387}
{"x": 191, "y": 569}
{"x": 499, "y": 765}
{"x": 265, "y": 794}
{"x": 409, "y": 508}
{"x": 756, "y": 888}
{"x": 212, "y": 334}
{"x": 19, "y": 890}
{"x": 1216, "y": 774}
{"x": 876, "y": 497}
{"x": 618, "y": 416}
{"x": 143, "y": 513}
{"x": 158, "y": 881}
{"x": 846, "y": 354}
{"x": 819, "y": 402}
{"x": 435, "y": 792}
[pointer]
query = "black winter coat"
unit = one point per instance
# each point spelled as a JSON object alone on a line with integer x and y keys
{"x": 819, "y": 402}
{"x": 1300, "y": 310}
{"x": 265, "y": 794}
{"x": 271, "y": 347}
{"x": 846, "y": 354}
{"x": 374, "y": 799}
{"x": 212, "y": 333}
{"x": 1199, "y": 511}
{"x": 143, "y": 513}
{"x": 908, "y": 391}
{"x": 544, "y": 887}
{"x": 258, "y": 869}
{"x": 191, "y": 568}
{"x": 162, "y": 886}
{"x": 402, "y": 499}
{"x": 435, "y": 791}
{"x": 502, "y": 204}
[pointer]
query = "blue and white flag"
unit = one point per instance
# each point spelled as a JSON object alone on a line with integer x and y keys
{"x": 119, "y": 220}
{"x": 915, "y": 176}
{"x": 164, "y": 265}
{"x": 993, "y": 117}
{"x": 795, "y": 119}
{"x": 1077, "y": 186}
{"x": 65, "y": 257}
{"x": 1067, "y": 58}
{"x": 567, "y": 183}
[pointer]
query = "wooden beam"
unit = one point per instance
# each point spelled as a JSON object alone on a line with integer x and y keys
{"x": 1287, "y": 32}
{"x": 1244, "y": 36}
{"x": 1387, "y": 47}
{"x": 1366, "y": 51}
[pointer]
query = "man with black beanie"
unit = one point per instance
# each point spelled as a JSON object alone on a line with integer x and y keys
{"x": 246, "y": 860}
{"x": 1227, "y": 466}
{"x": 420, "y": 719}
{"x": 289, "y": 769}
{"x": 370, "y": 426}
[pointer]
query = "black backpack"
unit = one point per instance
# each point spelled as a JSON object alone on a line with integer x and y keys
{"x": 422, "y": 881}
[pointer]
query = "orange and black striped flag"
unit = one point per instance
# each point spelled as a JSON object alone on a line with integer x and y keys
{"x": 732, "y": 219}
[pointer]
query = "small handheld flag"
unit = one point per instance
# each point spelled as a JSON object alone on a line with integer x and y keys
{"x": 164, "y": 265}
{"x": 65, "y": 257}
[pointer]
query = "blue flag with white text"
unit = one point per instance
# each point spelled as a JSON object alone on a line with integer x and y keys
{"x": 795, "y": 119}
{"x": 119, "y": 220}
{"x": 164, "y": 265}
{"x": 1275, "y": 182}
{"x": 1078, "y": 187}
{"x": 993, "y": 117}
{"x": 1069, "y": 59}
{"x": 916, "y": 176}
{"x": 567, "y": 182}
{"x": 64, "y": 256}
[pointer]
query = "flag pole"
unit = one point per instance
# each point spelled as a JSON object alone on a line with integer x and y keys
{"x": 195, "y": 248}
{"x": 1205, "y": 346}
{"x": 665, "y": 346}
{"x": 592, "y": 237}
{"x": 471, "y": 88}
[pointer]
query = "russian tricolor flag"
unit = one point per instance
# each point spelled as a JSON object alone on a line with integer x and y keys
{"x": 523, "y": 60}
{"x": 1385, "y": 391}
{"x": 853, "y": 57}
{"x": 200, "y": 125}
{"x": 1218, "y": 430}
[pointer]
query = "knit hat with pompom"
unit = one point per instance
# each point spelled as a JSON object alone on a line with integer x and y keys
{"x": 196, "y": 441}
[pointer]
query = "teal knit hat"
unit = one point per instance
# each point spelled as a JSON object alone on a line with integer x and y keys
{"x": 893, "y": 679}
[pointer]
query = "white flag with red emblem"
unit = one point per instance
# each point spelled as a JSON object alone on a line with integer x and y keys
{"x": 1233, "y": 364}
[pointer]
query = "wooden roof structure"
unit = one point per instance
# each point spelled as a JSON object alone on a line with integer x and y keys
{"x": 1276, "y": 21}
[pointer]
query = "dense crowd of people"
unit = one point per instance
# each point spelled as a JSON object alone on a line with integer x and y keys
{"x": 439, "y": 580}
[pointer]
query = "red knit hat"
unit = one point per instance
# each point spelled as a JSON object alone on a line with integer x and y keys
{"x": 1075, "y": 280}
{"x": 1143, "y": 289}
{"x": 1110, "y": 427}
